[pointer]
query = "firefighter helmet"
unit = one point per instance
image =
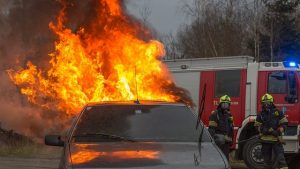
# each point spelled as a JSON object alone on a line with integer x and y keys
{"x": 225, "y": 99}
{"x": 267, "y": 98}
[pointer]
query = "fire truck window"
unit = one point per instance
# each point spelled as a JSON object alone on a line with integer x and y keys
{"x": 228, "y": 82}
{"x": 277, "y": 83}
{"x": 292, "y": 82}
{"x": 292, "y": 96}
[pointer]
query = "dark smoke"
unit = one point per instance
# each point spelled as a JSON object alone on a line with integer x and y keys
{"x": 25, "y": 36}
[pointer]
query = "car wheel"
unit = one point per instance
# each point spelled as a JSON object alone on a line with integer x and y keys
{"x": 252, "y": 154}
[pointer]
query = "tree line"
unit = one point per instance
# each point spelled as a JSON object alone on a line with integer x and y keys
{"x": 268, "y": 30}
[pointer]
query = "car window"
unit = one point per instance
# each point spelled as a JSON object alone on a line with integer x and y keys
{"x": 140, "y": 122}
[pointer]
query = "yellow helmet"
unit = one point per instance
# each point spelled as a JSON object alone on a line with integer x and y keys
{"x": 267, "y": 98}
{"x": 225, "y": 99}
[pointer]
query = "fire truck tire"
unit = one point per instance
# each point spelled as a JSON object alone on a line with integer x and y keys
{"x": 252, "y": 154}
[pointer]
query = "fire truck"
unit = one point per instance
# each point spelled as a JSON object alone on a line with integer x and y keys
{"x": 245, "y": 81}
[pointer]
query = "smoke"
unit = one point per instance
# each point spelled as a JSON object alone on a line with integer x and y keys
{"x": 25, "y": 36}
{"x": 17, "y": 114}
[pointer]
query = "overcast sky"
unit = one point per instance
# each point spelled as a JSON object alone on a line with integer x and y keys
{"x": 166, "y": 15}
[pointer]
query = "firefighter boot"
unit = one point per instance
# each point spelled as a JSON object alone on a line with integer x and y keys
{"x": 279, "y": 152}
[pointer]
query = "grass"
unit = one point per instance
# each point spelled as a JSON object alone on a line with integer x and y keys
{"x": 32, "y": 150}
{"x": 25, "y": 148}
{"x": 17, "y": 148}
{"x": 28, "y": 151}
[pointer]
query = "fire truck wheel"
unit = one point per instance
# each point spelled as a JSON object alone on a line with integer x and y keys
{"x": 252, "y": 154}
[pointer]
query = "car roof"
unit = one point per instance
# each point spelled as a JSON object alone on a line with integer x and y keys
{"x": 135, "y": 102}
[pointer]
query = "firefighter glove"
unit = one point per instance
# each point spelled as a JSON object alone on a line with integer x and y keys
{"x": 265, "y": 131}
{"x": 275, "y": 133}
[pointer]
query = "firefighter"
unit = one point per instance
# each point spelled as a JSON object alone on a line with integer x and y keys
{"x": 271, "y": 124}
{"x": 221, "y": 125}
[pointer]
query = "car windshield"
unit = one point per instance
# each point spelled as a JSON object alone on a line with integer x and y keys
{"x": 172, "y": 123}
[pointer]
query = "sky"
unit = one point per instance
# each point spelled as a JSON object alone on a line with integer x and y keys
{"x": 165, "y": 15}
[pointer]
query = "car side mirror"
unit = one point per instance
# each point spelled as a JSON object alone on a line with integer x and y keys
{"x": 54, "y": 140}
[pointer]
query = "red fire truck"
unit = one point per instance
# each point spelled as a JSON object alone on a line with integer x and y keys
{"x": 245, "y": 81}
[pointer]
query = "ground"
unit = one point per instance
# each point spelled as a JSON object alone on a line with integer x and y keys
{"x": 19, "y": 152}
{"x": 48, "y": 158}
{"x": 28, "y": 163}
{"x": 37, "y": 156}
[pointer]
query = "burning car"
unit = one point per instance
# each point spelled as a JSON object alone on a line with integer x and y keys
{"x": 142, "y": 134}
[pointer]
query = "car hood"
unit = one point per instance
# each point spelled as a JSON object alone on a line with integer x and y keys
{"x": 146, "y": 155}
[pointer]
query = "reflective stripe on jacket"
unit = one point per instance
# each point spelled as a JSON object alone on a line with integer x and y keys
{"x": 272, "y": 120}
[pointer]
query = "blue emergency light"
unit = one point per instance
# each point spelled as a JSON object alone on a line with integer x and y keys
{"x": 290, "y": 64}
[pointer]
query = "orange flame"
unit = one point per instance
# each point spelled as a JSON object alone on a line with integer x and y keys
{"x": 88, "y": 155}
{"x": 84, "y": 156}
{"x": 136, "y": 154}
{"x": 103, "y": 61}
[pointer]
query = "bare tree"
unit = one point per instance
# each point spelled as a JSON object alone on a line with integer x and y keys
{"x": 145, "y": 12}
{"x": 171, "y": 46}
{"x": 218, "y": 29}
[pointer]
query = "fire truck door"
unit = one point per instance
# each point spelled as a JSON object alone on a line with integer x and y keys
{"x": 282, "y": 85}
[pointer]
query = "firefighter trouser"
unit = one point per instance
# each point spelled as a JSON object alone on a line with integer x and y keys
{"x": 277, "y": 148}
{"x": 225, "y": 149}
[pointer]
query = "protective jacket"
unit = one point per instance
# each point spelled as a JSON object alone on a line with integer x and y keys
{"x": 221, "y": 123}
{"x": 270, "y": 122}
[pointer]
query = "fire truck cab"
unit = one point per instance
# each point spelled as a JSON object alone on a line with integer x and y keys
{"x": 245, "y": 81}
